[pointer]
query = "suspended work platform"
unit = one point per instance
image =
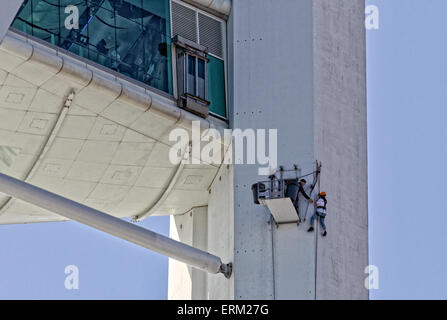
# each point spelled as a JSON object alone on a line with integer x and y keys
{"x": 280, "y": 195}
{"x": 282, "y": 210}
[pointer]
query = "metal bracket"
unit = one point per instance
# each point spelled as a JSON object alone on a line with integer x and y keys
{"x": 278, "y": 224}
{"x": 226, "y": 269}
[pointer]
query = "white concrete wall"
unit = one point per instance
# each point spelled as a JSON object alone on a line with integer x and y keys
{"x": 299, "y": 67}
{"x": 271, "y": 87}
{"x": 340, "y": 143}
{"x": 211, "y": 229}
{"x": 184, "y": 282}
{"x": 221, "y": 231}
{"x": 200, "y": 241}
{"x": 8, "y": 12}
{"x": 180, "y": 277}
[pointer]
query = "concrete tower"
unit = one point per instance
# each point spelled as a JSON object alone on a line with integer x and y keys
{"x": 299, "y": 67}
{"x": 94, "y": 127}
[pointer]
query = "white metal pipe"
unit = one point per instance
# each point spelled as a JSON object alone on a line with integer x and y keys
{"x": 112, "y": 225}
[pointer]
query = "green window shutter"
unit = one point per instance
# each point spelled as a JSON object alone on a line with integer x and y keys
{"x": 216, "y": 86}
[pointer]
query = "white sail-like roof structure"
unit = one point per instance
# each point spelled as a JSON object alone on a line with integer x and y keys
{"x": 108, "y": 150}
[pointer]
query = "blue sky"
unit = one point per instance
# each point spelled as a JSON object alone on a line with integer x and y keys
{"x": 34, "y": 256}
{"x": 407, "y": 99}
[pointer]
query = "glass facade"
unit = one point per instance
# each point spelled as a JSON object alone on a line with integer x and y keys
{"x": 131, "y": 37}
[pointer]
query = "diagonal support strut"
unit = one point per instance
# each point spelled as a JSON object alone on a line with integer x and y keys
{"x": 112, "y": 225}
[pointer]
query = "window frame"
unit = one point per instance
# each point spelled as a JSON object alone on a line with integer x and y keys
{"x": 187, "y": 56}
{"x": 184, "y": 50}
{"x": 224, "y": 58}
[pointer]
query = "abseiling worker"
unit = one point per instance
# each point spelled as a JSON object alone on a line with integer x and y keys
{"x": 320, "y": 213}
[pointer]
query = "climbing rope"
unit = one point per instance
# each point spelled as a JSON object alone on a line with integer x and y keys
{"x": 314, "y": 184}
{"x": 309, "y": 174}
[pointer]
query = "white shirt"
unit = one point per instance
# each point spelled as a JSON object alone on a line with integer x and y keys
{"x": 320, "y": 203}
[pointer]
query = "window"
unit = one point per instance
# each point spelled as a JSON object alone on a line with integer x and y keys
{"x": 191, "y": 76}
{"x": 207, "y": 32}
{"x": 196, "y": 85}
{"x": 201, "y": 84}
{"x": 131, "y": 37}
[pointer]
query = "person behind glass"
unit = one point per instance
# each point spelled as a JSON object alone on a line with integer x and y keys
{"x": 114, "y": 57}
{"x": 320, "y": 213}
{"x": 102, "y": 47}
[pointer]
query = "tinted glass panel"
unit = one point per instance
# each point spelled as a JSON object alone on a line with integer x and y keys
{"x": 201, "y": 78}
{"x": 191, "y": 76}
{"x": 128, "y": 36}
{"x": 216, "y": 86}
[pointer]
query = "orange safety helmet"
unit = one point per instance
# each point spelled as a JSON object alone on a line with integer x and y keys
{"x": 323, "y": 194}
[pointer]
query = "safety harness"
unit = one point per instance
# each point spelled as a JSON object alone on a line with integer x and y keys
{"x": 323, "y": 207}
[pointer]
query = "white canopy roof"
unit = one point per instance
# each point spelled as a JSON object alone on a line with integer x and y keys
{"x": 109, "y": 151}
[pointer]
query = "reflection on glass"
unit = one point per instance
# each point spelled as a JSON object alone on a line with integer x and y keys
{"x": 191, "y": 76}
{"x": 128, "y": 36}
{"x": 201, "y": 78}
